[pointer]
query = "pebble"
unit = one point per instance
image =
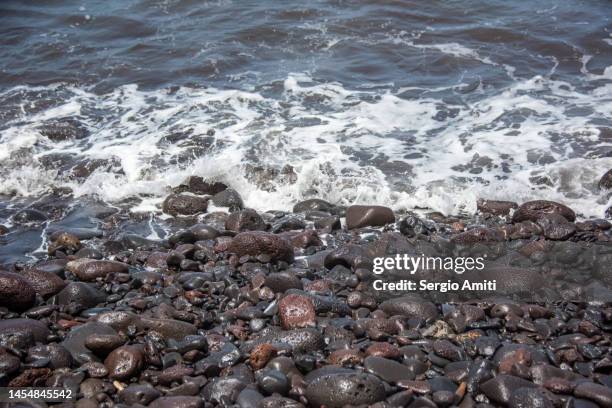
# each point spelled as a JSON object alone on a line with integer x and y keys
{"x": 346, "y": 388}
{"x": 88, "y": 270}
{"x": 258, "y": 242}
{"x": 388, "y": 370}
{"x": 124, "y": 362}
{"x": 500, "y": 388}
{"x": 296, "y": 311}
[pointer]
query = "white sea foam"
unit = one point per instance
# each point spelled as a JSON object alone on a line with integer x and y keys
{"x": 346, "y": 146}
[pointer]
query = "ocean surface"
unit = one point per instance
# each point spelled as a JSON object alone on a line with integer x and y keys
{"x": 410, "y": 104}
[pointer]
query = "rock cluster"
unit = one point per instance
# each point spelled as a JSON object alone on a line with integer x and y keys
{"x": 274, "y": 309}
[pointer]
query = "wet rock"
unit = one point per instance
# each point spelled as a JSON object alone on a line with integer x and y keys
{"x": 88, "y": 270}
{"x": 411, "y": 307}
{"x": 184, "y": 204}
{"x": 178, "y": 402}
{"x": 65, "y": 242}
{"x": 44, "y": 283}
{"x": 31, "y": 377}
{"x": 381, "y": 349}
{"x": 532, "y": 210}
{"x": 250, "y": 398}
{"x": 21, "y": 333}
{"x": 556, "y": 227}
{"x": 3, "y": 230}
{"x": 389, "y": 370}
{"x": 500, "y": 388}
{"x": 298, "y": 340}
{"x": 197, "y": 185}
{"x": 531, "y": 397}
{"x": 9, "y": 364}
{"x": 228, "y": 198}
{"x": 139, "y": 394}
{"x": 324, "y": 304}
{"x": 443, "y": 398}
{"x": 174, "y": 373}
{"x": 80, "y": 293}
{"x": 76, "y": 338}
{"x": 256, "y": 243}
{"x": 279, "y": 402}
{"x": 60, "y": 130}
{"x": 273, "y": 382}
{"x": 350, "y": 255}
{"x": 245, "y": 220}
{"x": 169, "y": 328}
{"x": 288, "y": 223}
{"x": 29, "y": 216}
{"x": 296, "y": 311}
{"x": 346, "y": 357}
{"x": 124, "y": 362}
{"x": 605, "y": 183}
{"x": 283, "y": 281}
{"x": 601, "y": 394}
{"x": 314, "y": 204}
{"x": 328, "y": 223}
{"x": 223, "y": 390}
{"x": 54, "y": 355}
{"x": 15, "y": 292}
{"x": 345, "y": 388}
{"x": 103, "y": 344}
{"x": 305, "y": 239}
{"x": 499, "y": 208}
{"x": 358, "y": 216}
{"x": 478, "y": 235}
{"x": 94, "y": 369}
{"x": 261, "y": 354}
{"x": 448, "y": 350}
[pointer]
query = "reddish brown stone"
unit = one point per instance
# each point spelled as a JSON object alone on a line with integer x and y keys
{"x": 519, "y": 357}
{"x": 261, "y": 354}
{"x": 296, "y": 311}
{"x": 30, "y": 377}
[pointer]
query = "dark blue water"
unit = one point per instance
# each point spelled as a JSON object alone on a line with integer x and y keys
{"x": 239, "y": 43}
{"x": 406, "y": 103}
